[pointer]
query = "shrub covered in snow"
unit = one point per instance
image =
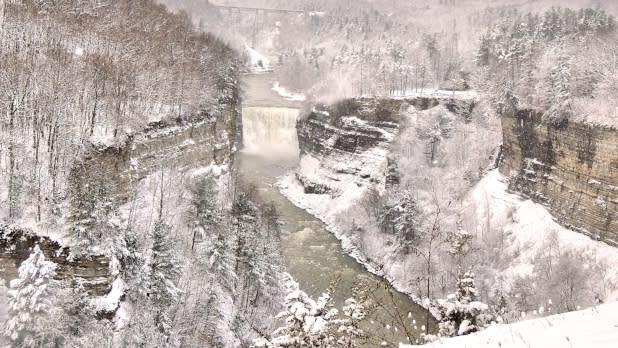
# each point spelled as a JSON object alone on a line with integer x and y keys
{"x": 461, "y": 313}
{"x": 310, "y": 323}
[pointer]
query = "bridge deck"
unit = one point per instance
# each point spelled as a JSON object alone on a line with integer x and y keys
{"x": 244, "y": 8}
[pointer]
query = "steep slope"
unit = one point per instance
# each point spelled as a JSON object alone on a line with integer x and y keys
{"x": 358, "y": 155}
{"x": 572, "y": 169}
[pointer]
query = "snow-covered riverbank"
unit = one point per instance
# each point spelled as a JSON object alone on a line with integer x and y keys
{"x": 526, "y": 228}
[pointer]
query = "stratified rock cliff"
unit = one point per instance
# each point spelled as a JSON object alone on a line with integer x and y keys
{"x": 347, "y": 144}
{"x": 195, "y": 142}
{"x": 572, "y": 168}
{"x": 91, "y": 271}
{"x": 209, "y": 138}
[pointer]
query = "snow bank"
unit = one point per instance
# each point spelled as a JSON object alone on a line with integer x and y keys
{"x": 110, "y": 302}
{"x": 594, "y": 327}
{"x": 527, "y": 226}
{"x": 287, "y": 95}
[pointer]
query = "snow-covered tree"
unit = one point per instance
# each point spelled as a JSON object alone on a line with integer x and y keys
{"x": 401, "y": 217}
{"x": 92, "y": 214}
{"x": 77, "y": 319}
{"x": 459, "y": 242}
{"x": 461, "y": 313}
{"x": 559, "y": 93}
{"x": 310, "y": 323}
{"x": 204, "y": 217}
{"x": 505, "y": 98}
{"x": 164, "y": 272}
{"x": 30, "y": 300}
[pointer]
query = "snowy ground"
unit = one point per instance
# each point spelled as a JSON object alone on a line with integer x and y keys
{"x": 527, "y": 230}
{"x": 287, "y": 95}
{"x": 594, "y": 327}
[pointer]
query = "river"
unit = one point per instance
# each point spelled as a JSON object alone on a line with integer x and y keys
{"x": 313, "y": 256}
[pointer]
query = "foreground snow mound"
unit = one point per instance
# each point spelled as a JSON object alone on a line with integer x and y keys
{"x": 594, "y": 327}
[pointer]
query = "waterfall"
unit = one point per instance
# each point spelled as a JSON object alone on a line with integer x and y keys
{"x": 270, "y": 132}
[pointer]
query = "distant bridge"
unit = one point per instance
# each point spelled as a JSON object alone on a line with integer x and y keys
{"x": 257, "y": 9}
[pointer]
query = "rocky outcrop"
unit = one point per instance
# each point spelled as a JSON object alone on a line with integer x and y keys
{"x": 351, "y": 139}
{"x": 571, "y": 168}
{"x": 209, "y": 138}
{"x": 16, "y": 245}
{"x": 195, "y": 142}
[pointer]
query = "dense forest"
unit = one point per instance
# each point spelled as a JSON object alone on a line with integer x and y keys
{"x": 79, "y": 72}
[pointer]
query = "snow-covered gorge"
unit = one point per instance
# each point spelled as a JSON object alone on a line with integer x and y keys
{"x": 358, "y": 156}
{"x": 313, "y": 256}
{"x": 354, "y": 148}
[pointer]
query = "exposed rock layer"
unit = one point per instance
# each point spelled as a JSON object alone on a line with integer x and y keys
{"x": 198, "y": 142}
{"x": 352, "y": 137}
{"x": 194, "y": 143}
{"x": 571, "y": 168}
{"x": 16, "y": 245}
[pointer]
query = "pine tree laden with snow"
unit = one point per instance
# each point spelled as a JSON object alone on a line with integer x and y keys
{"x": 164, "y": 272}
{"x": 459, "y": 242}
{"x": 310, "y": 323}
{"x": 559, "y": 95}
{"x": 30, "y": 300}
{"x": 401, "y": 218}
{"x": 461, "y": 313}
{"x": 204, "y": 217}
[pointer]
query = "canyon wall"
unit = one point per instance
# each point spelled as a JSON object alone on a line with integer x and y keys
{"x": 572, "y": 169}
{"x": 15, "y": 245}
{"x": 351, "y": 139}
{"x": 191, "y": 143}
{"x": 195, "y": 142}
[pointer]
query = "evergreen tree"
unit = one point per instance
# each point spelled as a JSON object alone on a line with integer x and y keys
{"x": 92, "y": 213}
{"x": 30, "y": 300}
{"x": 461, "y": 313}
{"x": 205, "y": 217}
{"x": 401, "y": 218}
{"x": 164, "y": 272}
{"x": 459, "y": 242}
{"x": 559, "y": 92}
{"x": 506, "y": 100}
{"x": 310, "y": 323}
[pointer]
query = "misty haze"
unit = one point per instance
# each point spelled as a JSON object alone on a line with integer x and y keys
{"x": 309, "y": 173}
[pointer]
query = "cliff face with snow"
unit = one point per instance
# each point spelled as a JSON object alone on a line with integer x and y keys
{"x": 16, "y": 244}
{"x": 347, "y": 144}
{"x": 355, "y": 148}
{"x": 197, "y": 142}
{"x": 572, "y": 169}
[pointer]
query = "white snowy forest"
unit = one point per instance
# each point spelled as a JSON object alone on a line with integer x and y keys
{"x": 308, "y": 173}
